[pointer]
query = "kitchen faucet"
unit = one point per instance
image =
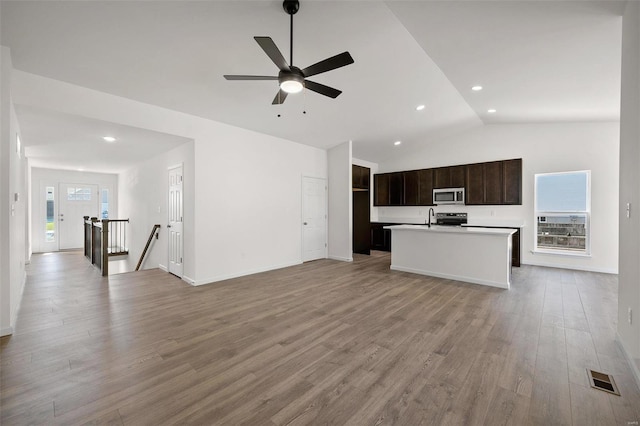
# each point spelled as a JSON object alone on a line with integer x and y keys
{"x": 431, "y": 213}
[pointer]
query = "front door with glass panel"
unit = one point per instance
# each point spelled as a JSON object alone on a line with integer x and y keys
{"x": 75, "y": 202}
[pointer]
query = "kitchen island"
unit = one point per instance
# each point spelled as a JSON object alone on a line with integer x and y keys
{"x": 475, "y": 255}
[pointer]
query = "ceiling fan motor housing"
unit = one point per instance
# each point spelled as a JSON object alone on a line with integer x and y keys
{"x": 294, "y": 75}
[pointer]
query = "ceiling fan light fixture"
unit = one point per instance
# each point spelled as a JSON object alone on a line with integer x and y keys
{"x": 291, "y": 86}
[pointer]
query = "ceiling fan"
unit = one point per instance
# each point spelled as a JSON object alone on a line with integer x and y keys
{"x": 291, "y": 78}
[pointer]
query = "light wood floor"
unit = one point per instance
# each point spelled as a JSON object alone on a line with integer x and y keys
{"x": 321, "y": 343}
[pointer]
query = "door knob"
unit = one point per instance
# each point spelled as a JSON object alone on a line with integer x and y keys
{"x": 304, "y": 223}
{"x": 168, "y": 226}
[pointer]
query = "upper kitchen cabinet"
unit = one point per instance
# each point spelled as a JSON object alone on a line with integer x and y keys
{"x": 475, "y": 184}
{"x": 512, "y": 172}
{"x": 360, "y": 177}
{"x": 449, "y": 177}
{"x": 388, "y": 189}
{"x": 396, "y": 189}
{"x": 425, "y": 186}
{"x": 411, "y": 188}
{"x": 494, "y": 183}
{"x": 381, "y": 189}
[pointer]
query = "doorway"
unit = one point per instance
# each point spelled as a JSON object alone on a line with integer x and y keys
{"x": 175, "y": 219}
{"x": 76, "y": 201}
{"x": 361, "y": 209}
{"x": 314, "y": 218}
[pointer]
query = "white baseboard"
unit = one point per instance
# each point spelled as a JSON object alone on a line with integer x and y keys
{"x": 573, "y": 267}
{"x": 244, "y": 273}
{"x": 342, "y": 259}
{"x": 188, "y": 280}
{"x": 6, "y": 331}
{"x": 164, "y": 268}
{"x": 632, "y": 364}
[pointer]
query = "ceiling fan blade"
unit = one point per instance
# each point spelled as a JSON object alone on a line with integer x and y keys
{"x": 250, "y": 77}
{"x": 280, "y": 97}
{"x": 328, "y": 64}
{"x": 273, "y": 52}
{"x": 322, "y": 89}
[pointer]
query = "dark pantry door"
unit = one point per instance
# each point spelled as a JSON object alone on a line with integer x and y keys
{"x": 361, "y": 222}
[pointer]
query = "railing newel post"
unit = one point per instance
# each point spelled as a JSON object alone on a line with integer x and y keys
{"x": 105, "y": 247}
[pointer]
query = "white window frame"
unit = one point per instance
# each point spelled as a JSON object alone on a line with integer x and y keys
{"x": 587, "y": 213}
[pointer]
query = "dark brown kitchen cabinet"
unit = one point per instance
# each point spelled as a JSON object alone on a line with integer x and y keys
{"x": 493, "y": 182}
{"x": 515, "y": 248}
{"x": 411, "y": 188}
{"x": 484, "y": 183}
{"x": 449, "y": 177}
{"x": 512, "y": 185}
{"x": 360, "y": 177}
{"x": 425, "y": 186}
{"x": 380, "y": 237}
{"x": 396, "y": 189}
{"x": 475, "y": 184}
{"x": 458, "y": 178}
{"x": 381, "y": 189}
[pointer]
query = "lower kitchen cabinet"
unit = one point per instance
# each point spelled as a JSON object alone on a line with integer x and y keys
{"x": 380, "y": 237}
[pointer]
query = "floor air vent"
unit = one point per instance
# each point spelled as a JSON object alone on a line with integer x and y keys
{"x": 603, "y": 382}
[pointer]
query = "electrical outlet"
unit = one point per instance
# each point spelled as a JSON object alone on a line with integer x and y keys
{"x": 628, "y": 210}
{"x": 630, "y": 316}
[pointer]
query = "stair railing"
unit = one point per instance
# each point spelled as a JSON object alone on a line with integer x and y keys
{"x": 146, "y": 247}
{"x": 104, "y": 238}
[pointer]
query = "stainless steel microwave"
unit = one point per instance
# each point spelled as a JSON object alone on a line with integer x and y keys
{"x": 448, "y": 196}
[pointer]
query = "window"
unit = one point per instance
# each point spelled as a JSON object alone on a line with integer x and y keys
{"x": 104, "y": 204}
{"x": 563, "y": 205}
{"x": 50, "y": 226}
{"x": 79, "y": 194}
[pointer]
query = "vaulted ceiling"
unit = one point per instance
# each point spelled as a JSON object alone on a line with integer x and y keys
{"x": 538, "y": 61}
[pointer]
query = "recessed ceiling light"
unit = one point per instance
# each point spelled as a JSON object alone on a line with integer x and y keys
{"x": 419, "y": 107}
{"x": 476, "y": 88}
{"x": 396, "y": 143}
{"x": 109, "y": 138}
{"x": 491, "y": 111}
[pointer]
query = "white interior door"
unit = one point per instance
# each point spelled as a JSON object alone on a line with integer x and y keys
{"x": 76, "y": 200}
{"x": 175, "y": 221}
{"x": 314, "y": 218}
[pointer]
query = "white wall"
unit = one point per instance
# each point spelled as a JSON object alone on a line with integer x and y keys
{"x": 143, "y": 199}
{"x": 51, "y": 177}
{"x": 544, "y": 148}
{"x": 629, "y": 278}
{"x": 247, "y": 185}
{"x": 13, "y": 204}
{"x": 340, "y": 203}
{"x": 249, "y": 201}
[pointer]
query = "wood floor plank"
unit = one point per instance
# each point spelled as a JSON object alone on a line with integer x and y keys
{"x": 325, "y": 342}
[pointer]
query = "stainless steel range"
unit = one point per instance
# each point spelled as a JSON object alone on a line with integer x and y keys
{"x": 451, "y": 219}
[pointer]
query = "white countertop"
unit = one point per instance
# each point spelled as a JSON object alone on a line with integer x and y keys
{"x": 485, "y": 221}
{"x": 492, "y": 221}
{"x": 452, "y": 229}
